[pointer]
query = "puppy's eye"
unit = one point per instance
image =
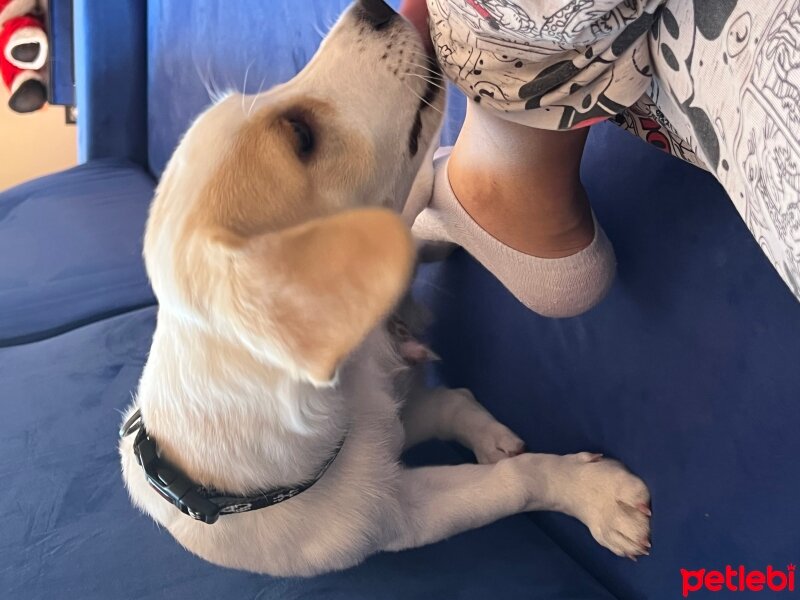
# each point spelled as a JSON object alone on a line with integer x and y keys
{"x": 304, "y": 137}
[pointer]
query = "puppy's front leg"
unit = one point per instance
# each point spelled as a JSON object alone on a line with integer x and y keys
{"x": 438, "y": 502}
{"x": 455, "y": 415}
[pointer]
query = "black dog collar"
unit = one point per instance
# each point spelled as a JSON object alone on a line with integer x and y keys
{"x": 202, "y": 503}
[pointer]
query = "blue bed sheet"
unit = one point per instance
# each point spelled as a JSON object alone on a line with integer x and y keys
{"x": 689, "y": 372}
{"x": 70, "y": 532}
{"x": 71, "y": 249}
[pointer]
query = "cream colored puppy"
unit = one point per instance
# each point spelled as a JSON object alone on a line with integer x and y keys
{"x": 276, "y": 253}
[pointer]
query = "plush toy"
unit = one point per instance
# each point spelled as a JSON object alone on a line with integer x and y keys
{"x": 23, "y": 54}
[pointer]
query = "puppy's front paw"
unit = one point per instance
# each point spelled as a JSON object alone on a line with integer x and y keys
{"x": 495, "y": 443}
{"x": 613, "y": 503}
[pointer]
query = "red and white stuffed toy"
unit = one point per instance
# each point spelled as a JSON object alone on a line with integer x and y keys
{"x": 23, "y": 54}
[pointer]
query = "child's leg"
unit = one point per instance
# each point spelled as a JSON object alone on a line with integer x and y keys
{"x": 522, "y": 185}
{"x": 728, "y": 78}
{"x": 511, "y": 195}
{"x": 536, "y": 75}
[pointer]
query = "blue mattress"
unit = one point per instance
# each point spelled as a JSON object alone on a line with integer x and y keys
{"x": 70, "y": 532}
{"x": 689, "y": 372}
{"x": 71, "y": 249}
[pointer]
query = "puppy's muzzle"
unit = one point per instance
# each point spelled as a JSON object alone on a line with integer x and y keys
{"x": 377, "y": 13}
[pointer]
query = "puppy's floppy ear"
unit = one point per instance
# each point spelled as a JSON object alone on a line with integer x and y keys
{"x": 323, "y": 285}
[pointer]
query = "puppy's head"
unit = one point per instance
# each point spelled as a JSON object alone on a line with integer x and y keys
{"x": 275, "y": 223}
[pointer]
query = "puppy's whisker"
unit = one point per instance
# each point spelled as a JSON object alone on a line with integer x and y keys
{"x": 424, "y": 58}
{"x": 425, "y": 68}
{"x": 255, "y": 96}
{"x": 427, "y": 58}
{"x": 410, "y": 89}
{"x": 421, "y": 53}
{"x": 427, "y": 80}
{"x": 428, "y": 73}
{"x": 319, "y": 31}
{"x": 329, "y": 18}
{"x": 244, "y": 85}
{"x": 203, "y": 80}
{"x": 246, "y": 74}
{"x": 217, "y": 95}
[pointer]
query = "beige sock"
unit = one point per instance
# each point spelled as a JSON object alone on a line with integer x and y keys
{"x": 552, "y": 287}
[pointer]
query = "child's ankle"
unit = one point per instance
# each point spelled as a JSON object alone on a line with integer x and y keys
{"x": 522, "y": 185}
{"x": 542, "y": 214}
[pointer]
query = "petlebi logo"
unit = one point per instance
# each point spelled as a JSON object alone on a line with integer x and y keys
{"x": 739, "y": 579}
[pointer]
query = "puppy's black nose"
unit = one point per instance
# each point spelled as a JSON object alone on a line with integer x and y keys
{"x": 377, "y": 13}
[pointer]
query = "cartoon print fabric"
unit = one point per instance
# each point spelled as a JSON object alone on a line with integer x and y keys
{"x": 715, "y": 83}
{"x": 577, "y": 62}
{"x": 727, "y": 78}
